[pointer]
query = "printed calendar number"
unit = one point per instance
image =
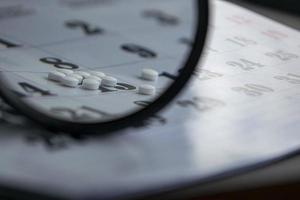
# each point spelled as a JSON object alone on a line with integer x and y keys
{"x": 161, "y": 17}
{"x": 87, "y": 28}
{"x": 253, "y": 89}
{"x": 34, "y": 90}
{"x": 241, "y": 41}
{"x": 203, "y": 74}
{"x": 290, "y": 78}
{"x": 119, "y": 87}
{"x": 8, "y": 44}
{"x": 201, "y": 103}
{"x": 58, "y": 63}
{"x": 139, "y": 50}
{"x": 282, "y": 55}
{"x": 82, "y": 113}
{"x": 186, "y": 41}
{"x": 168, "y": 75}
{"x": 245, "y": 64}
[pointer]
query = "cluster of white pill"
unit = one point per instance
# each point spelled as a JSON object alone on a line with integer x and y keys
{"x": 92, "y": 80}
{"x": 148, "y": 75}
{"x": 89, "y": 80}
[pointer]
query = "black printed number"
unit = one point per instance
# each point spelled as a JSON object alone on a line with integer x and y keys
{"x": 59, "y": 63}
{"x": 139, "y": 50}
{"x": 84, "y": 26}
{"x": 77, "y": 115}
{"x": 161, "y": 17}
{"x": 118, "y": 87}
{"x": 253, "y": 89}
{"x": 33, "y": 90}
{"x": 124, "y": 86}
{"x": 8, "y": 44}
{"x": 245, "y": 64}
{"x": 170, "y": 76}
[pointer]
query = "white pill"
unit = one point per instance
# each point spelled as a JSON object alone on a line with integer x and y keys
{"x": 109, "y": 81}
{"x": 95, "y": 77}
{"x": 147, "y": 90}
{"x": 65, "y": 71}
{"x": 55, "y": 76}
{"x": 97, "y": 73}
{"x": 77, "y": 76}
{"x": 149, "y": 74}
{"x": 69, "y": 81}
{"x": 82, "y": 73}
{"x": 90, "y": 84}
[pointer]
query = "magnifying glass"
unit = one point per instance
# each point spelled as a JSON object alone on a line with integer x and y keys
{"x": 97, "y": 66}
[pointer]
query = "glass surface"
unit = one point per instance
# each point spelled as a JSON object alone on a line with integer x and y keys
{"x": 86, "y": 61}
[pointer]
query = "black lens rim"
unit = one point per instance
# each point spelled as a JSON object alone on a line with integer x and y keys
{"x": 134, "y": 119}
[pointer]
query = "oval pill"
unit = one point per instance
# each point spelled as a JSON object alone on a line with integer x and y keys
{"x": 56, "y": 76}
{"x": 109, "y": 81}
{"x": 65, "y": 71}
{"x": 69, "y": 81}
{"x": 77, "y": 76}
{"x": 83, "y": 74}
{"x": 147, "y": 90}
{"x": 90, "y": 84}
{"x": 97, "y": 73}
{"x": 149, "y": 74}
{"x": 95, "y": 77}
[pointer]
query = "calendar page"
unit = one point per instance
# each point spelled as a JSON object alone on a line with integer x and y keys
{"x": 89, "y": 61}
{"x": 241, "y": 109}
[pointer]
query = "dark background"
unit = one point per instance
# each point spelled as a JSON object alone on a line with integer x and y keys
{"x": 284, "y": 11}
{"x": 287, "y": 5}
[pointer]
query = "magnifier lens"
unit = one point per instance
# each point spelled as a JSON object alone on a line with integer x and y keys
{"x": 73, "y": 62}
